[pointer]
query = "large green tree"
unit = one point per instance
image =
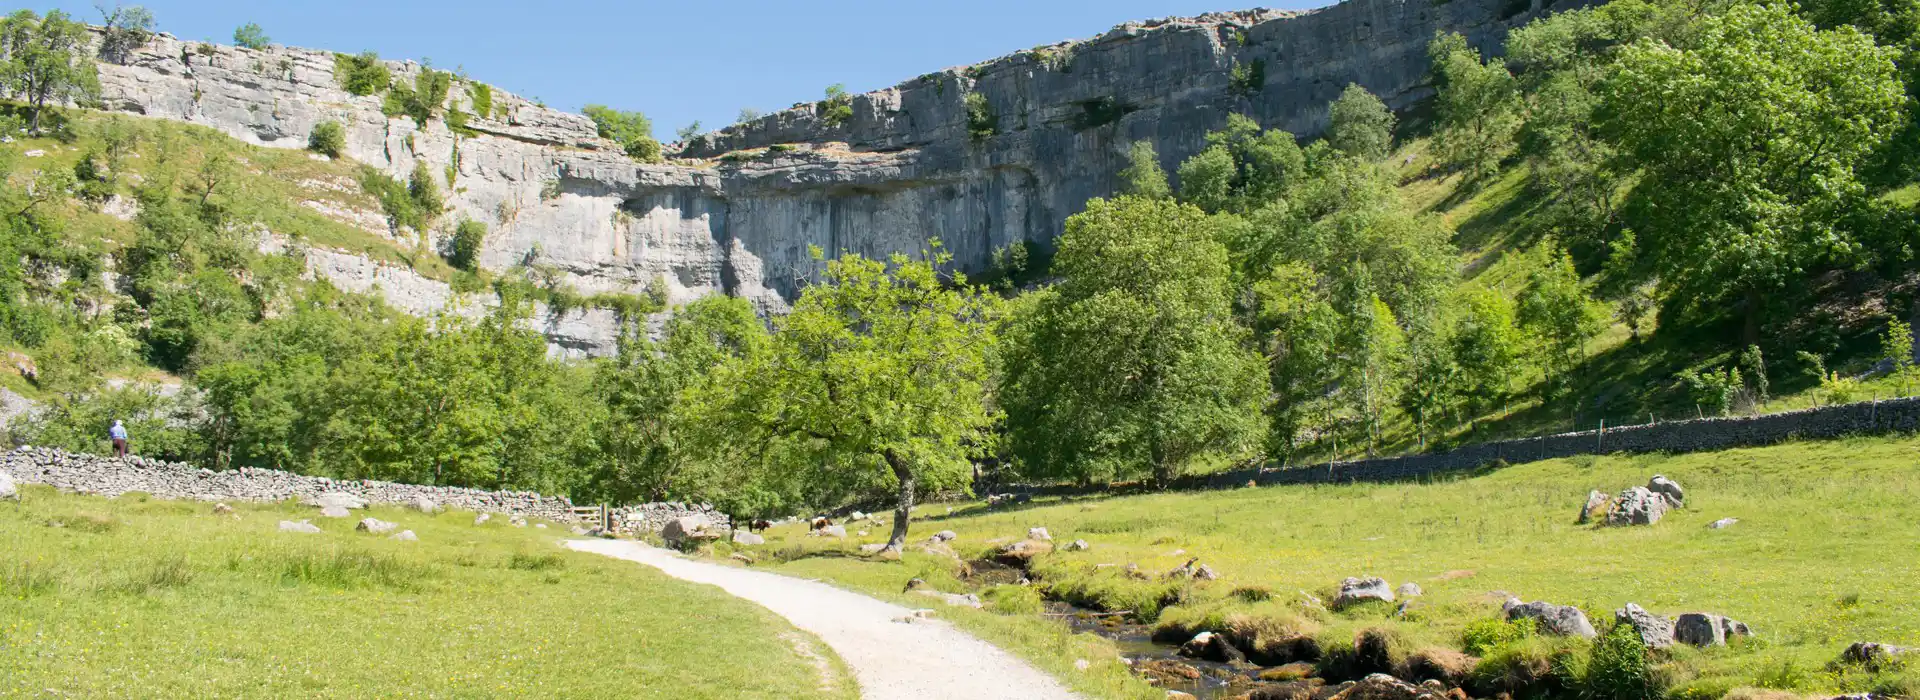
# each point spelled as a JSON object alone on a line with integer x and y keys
{"x": 875, "y": 386}
{"x": 43, "y": 60}
{"x": 1133, "y": 362}
{"x": 1477, "y": 106}
{"x": 1359, "y": 124}
{"x": 1748, "y": 140}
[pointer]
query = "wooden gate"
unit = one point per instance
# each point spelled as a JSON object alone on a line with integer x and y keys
{"x": 592, "y": 517}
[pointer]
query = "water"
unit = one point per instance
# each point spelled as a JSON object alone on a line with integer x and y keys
{"x": 1135, "y": 641}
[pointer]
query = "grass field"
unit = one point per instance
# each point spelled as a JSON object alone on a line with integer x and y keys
{"x": 131, "y": 598}
{"x": 1826, "y": 553}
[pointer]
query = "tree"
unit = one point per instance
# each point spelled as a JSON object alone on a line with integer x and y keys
{"x": 1488, "y": 348}
{"x": 1477, "y": 105}
{"x": 1748, "y": 141}
{"x": 1242, "y": 169}
{"x": 44, "y": 62}
{"x": 1555, "y": 308}
{"x": 747, "y": 114}
{"x": 463, "y": 249}
{"x": 251, "y": 36}
{"x": 1359, "y": 124}
{"x": 363, "y": 74}
{"x": 686, "y": 133}
{"x": 123, "y": 30}
{"x": 837, "y": 107}
{"x": 875, "y": 383}
{"x": 632, "y": 130}
{"x": 1133, "y": 360}
{"x": 1143, "y": 176}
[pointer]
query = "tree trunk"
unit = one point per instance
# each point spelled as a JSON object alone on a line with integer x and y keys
{"x": 1750, "y": 331}
{"x": 1162, "y": 469}
{"x": 904, "y": 508}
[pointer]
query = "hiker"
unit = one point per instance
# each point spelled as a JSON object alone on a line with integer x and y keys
{"x": 119, "y": 434}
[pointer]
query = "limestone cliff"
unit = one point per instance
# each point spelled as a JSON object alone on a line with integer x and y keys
{"x": 737, "y": 211}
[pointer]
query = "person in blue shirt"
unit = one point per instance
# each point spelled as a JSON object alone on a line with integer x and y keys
{"x": 119, "y": 434}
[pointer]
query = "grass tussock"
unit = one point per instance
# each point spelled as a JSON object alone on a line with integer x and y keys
{"x": 353, "y": 568}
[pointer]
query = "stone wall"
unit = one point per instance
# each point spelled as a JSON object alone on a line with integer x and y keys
{"x": 106, "y": 476}
{"x": 649, "y": 518}
{"x": 1870, "y": 418}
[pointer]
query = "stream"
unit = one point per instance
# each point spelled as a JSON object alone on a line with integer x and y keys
{"x": 1135, "y": 640}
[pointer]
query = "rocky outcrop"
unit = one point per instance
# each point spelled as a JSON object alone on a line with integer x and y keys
{"x": 1556, "y": 620}
{"x": 738, "y": 211}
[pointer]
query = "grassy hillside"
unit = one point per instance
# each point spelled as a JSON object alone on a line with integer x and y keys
{"x": 1816, "y": 562}
{"x": 137, "y": 598}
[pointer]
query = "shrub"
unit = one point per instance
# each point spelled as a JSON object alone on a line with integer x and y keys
{"x": 425, "y": 194}
{"x": 981, "y": 122}
{"x": 1248, "y": 79}
{"x": 328, "y": 138}
{"x": 481, "y": 95}
{"x": 837, "y": 108}
{"x": 463, "y": 250}
{"x": 361, "y": 75}
{"x": 1618, "y": 669}
{"x": 392, "y": 196}
{"x": 1531, "y": 668}
{"x": 632, "y": 130}
{"x": 421, "y": 101}
{"x": 251, "y": 36}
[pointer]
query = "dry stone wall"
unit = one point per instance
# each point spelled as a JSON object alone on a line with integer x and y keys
{"x": 107, "y": 476}
{"x": 1703, "y": 435}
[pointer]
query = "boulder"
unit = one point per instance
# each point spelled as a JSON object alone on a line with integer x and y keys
{"x": 1655, "y": 631}
{"x": 968, "y": 600}
{"x": 8, "y": 491}
{"x": 222, "y": 509}
{"x": 1722, "y": 523}
{"x": 748, "y": 538}
{"x": 692, "y": 528}
{"x": 1077, "y": 546}
{"x": 1409, "y": 590}
{"x": 406, "y": 536}
{"x": 1212, "y": 647}
{"x": 302, "y": 526}
{"x": 1039, "y": 533}
{"x": 482, "y": 518}
{"x": 338, "y": 498}
{"x": 1668, "y": 489}
{"x": 945, "y": 536}
{"x": 1357, "y": 590}
{"x": 1558, "y": 620}
{"x": 1596, "y": 507}
{"x": 375, "y": 526}
{"x": 335, "y": 512}
{"x": 830, "y": 531}
{"x": 577, "y": 530}
{"x": 424, "y": 505}
{"x": 539, "y": 526}
{"x": 1205, "y": 573}
{"x": 1380, "y": 686}
{"x": 1708, "y": 629}
{"x": 872, "y": 549}
{"x": 1637, "y": 506}
{"x": 1877, "y": 657}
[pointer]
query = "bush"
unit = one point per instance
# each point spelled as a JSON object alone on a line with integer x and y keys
{"x": 425, "y": 194}
{"x": 1618, "y": 669}
{"x": 632, "y": 130}
{"x": 328, "y": 138}
{"x": 463, "y": 250}
{"x": 1481, "y": 637}
{"x": 981, "y": 122}
{"x": 481, "y": 95}
{"x": 837, "y": 108}
{"x": 251, "y": 36}
{"x": 361, "y": 75}
{"x": 1012, "y": 600}
{"x": 1247, "y": 80}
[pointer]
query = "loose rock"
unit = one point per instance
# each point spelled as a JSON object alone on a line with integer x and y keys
{"x": 375, "y": 526}
{"x": 1558, "y": 620}
{"x": 8, "y": 491}
{"x": 482, "y": 518}
{"x": 1077, "y": 546}
{"x": 1212, "y": 647}
{"x": 222, "y": 509}
{"x": 1356, "y": 590}
{"x": 1039, "y": 533}
{"x": 1655, "y": 632}
{"x": 1723, "y": 523}
{"x": 1409, "y": 590}
{"x": 748, "y": 538}
{"x": 302, "y": 526}
{"x": 1707, "y": 629}
{"x": 335, "y": 512}
{"x": 1637, "y": 506}
{"x": 406, "y": 536}
{"x": 424, "y": 505}
{"x": 1596, "y": 507}
{"x": 1877, "y": 657}
{"x": 681, "y": 532}
{"x": 1669, "y": 489}
{"x": 944, "y": 536}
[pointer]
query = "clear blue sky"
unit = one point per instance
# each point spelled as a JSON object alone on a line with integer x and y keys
{"x": 675, "y": 61}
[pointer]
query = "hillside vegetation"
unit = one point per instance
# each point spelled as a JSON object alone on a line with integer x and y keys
{"x": 135, "y": 598}
{"x": 1810, "y": 565}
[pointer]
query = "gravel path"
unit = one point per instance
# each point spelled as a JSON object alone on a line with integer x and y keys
{"x": 926, "y": 659}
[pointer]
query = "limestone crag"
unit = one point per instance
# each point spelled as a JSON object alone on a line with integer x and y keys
{"x": 738, "y": 210}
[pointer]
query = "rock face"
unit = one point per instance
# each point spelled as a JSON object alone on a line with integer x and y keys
{"x": 732, "y": 215}
{"x": 1637, "y": 506}
{"x": 8, "y": 491}
{"x": 1358, "y": 590}
{"x": 1558, "y": 620}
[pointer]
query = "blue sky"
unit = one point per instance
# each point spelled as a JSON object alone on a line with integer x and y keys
{"x": 675, "y": 61}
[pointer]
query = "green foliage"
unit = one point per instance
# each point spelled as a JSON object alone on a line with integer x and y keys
{"x": 481, "y": 96}
{"x": 837, "y": 108}
{"x": 463, "y": 248}
{"x": 1242, "y": 168}
{"x": 328, "y": 138}
{"x": 1482, "y": 637}
{"x": 425, "y": 194}
{"x": 1143, "y": 176}
{"x": 874, "y": 385}
{"x": 362, "y": 75}
{"x": 424, "y": 100}
{"x": 982, "y": 124}
{"x": 1556, "y": 309}
{"x": 1247, "y": 80}
{"x": 1618, "y": 668}
{"x": 632, "y": 130}
{"x": 747, "y": 114}
{"x": 1133, "y": 361}
{"x": 688, "y": 132}
{"x": 1359, "y": 124}
{"x": 1896, "y": 346}
{"x": 1100, "y": 112}
{"x": 1713, "y": 389}
{"x": 1749, "y": 140}
{"x": 251, "y": 36}
{"x": 43, "y": 61}
{"x": 123, "y": 30}
{"x": 1477, "y": 106}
